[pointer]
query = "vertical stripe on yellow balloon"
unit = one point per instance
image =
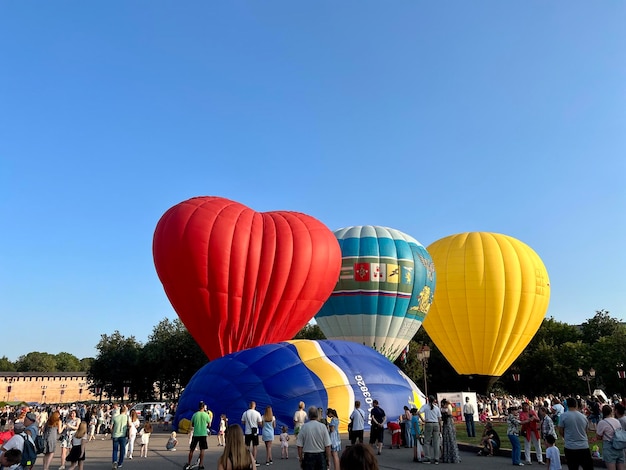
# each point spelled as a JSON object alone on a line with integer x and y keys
{"x": 336, "y": 383}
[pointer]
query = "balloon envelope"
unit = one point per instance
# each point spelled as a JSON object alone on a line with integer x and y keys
{"x": 321, "y": 373}
{"x": 384, "y": 291}
{"x": 239, "y": 278}
{"x": 492, "y": 295}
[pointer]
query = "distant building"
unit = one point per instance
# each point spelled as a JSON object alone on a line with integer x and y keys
{"x": 45, "y": 387}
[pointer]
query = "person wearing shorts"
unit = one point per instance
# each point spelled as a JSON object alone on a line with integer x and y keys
{"x": 200, "y": 422}
{"x": 252, "y": 422}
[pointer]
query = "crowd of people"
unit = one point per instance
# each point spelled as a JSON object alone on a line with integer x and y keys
{"x": 542, "y": 423}
{"x": 65, "y": 430}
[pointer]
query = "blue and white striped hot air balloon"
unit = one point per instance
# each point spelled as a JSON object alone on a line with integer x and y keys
{"x": 384, "y": 291}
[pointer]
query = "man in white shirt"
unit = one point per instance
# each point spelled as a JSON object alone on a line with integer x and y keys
{"x": 313, "y": 443}
{"x": 252, "y": 422}
{"x": 357, "y": 419}
{"x": 468, "y": 414}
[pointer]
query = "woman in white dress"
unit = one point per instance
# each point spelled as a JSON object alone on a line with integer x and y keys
{"x": 132, "y": 433}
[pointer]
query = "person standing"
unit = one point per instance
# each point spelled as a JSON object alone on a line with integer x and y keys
{"x": 357, "y": 420}
{"x": 335, "y": 440}
{"x": 200, "y": 422}
{"x": 71, "y": 426}
{"x": 530, "y": 430}
{"x": 573, "y": 429}
{"x": 450, "y": 447}
{"x": 51, "y": 433}
{"x": 269, "y": 425}
{"x": 405, "y": 424}
{"x": 132, "y": 433}
{"x": 605, "y": 429}
{"x": 377, "y": 430}
{"x": 512, "y": 431}
{"x": 468, "y": 415}
{"x": 118, "y": 434}
{"x": 252, "y": 421}
{"x": 313, "y": 443}
{"x": 431, "y": 415}
{"x": 299, "y": 417}
{"x": 415, "y": 435}
{"x": 546, "y": 424}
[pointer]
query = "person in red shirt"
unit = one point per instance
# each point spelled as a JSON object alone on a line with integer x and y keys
{"x": 530, "y": 430}
{"x": 396, "y": 434}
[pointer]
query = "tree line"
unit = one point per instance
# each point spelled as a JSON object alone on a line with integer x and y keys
{"x": 162, "y": 366}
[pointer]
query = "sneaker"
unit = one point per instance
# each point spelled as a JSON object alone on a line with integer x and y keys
{"x": 267, "y": 464}
{"x": 426, "y": 461}
{"x": 519, "y": 464}
{"x": 528, "y": 463}
{"x": 436, "y": 462}
{"x": 257, "y": 464}
{"x": 186, "y": 466}
{"x": 114, "y": 465}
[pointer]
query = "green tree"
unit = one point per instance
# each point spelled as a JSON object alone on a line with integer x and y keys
{"x": 172, "y": 356}
{"x": 116, "y": 365}
{"x": 602, "y": 324}
{"x": 85, "y": 363}
{"x": 36, "y": 362}
{"x": 6, "y": 365}
{"x": 310, "y": 331}
{"x": 67, "y": 362}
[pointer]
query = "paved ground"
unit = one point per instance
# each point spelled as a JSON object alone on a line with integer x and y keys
{"x": 99, "y": 457}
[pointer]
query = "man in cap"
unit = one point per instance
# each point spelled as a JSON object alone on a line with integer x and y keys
{"x": 30, "y": 423}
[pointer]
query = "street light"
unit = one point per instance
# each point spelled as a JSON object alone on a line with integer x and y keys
{"x": 587, "y": 377}
{"x": 423, "y": 354}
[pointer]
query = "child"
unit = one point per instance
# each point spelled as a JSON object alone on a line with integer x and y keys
{"x": 284, "y": 443}
{"x": 553, "y": 456}
{"x": 416, "y": 433}
{"x": 145, "y": 439}
{"x": 77, "y": 454}
{"x": 595, "y": 452}
{"x": 222, "y": 432}
{"x": 171, "y": 442}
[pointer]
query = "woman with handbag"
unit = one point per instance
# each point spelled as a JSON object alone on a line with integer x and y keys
{"x": 71, "y": 426}
{"x": 605, "y": 429}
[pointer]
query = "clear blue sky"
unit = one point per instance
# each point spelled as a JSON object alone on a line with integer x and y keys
{"x": 429, "y": 117}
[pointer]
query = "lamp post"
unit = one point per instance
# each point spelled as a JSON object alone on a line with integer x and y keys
{"x": 587, "y": 377}
{"x": 423, "y": 354}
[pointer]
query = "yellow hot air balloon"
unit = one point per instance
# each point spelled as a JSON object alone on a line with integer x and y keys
{"x": 491, "y": 296}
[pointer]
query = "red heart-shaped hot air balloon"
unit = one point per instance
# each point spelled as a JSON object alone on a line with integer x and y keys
{"x": 238, "y": 278}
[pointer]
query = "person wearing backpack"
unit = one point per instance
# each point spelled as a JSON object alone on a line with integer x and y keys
{"x": 22, "y": 442}
{"x": 613, "y": 458}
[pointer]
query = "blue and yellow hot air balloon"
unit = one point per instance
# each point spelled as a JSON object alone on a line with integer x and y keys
{"x": 326, "y": 374}
{"x": 492, "y": 295}
{"x": 384, "y": 291}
